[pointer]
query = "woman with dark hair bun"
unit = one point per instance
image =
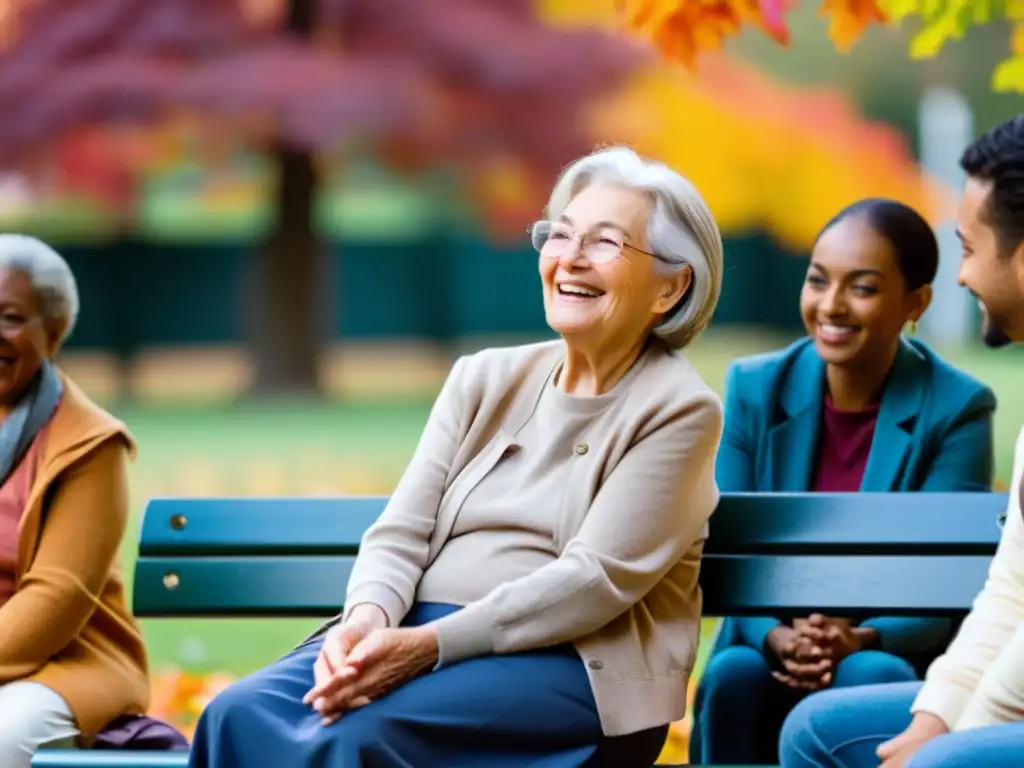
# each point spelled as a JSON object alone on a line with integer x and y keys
{"x": 853, "y": 406}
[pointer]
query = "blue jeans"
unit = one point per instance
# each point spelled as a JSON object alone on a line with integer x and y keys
{"x": 842, "y": 729}
{"x": 739, "y": 707}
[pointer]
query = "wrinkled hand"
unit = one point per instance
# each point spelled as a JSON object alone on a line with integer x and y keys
{"x": 805, "y": 666}
{"x": 897, "y": 751}
{"x": 331, "y": 670}
{"x": 382, "y": 661}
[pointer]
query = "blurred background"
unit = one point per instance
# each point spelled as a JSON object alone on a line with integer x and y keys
{"x": 287, "y": 217}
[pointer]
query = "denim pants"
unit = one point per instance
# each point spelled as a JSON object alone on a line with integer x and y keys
{"x": 843, "y": 728}
{"x": 740, "y": 707}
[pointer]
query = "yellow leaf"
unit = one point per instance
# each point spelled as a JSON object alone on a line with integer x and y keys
{"x": 1014, "y": 10}
{"x": 1009, "y": 76}
{"x": 981, "y": 10}
{"x": 898, "y": 10}
{"x": 929, "y": 41}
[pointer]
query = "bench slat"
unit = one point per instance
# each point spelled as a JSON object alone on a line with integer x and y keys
{"x": 857, "y": 523}
{"x": 84, "y": 758}
{"x": 735, "y": 585}
{"x": 855, "y": 586}
{"x": 256, "y": 526}
{"x": 248, "y": 586}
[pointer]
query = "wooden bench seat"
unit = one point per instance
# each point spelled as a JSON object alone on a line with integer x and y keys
{"x": 853, "y": 555}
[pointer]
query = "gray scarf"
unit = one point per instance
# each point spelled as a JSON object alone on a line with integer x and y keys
{"x": 31, "y": 414}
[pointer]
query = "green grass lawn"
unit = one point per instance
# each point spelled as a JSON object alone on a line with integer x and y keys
{"x": 333, "y": 449}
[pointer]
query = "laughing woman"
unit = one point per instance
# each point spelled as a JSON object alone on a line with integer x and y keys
{"x": 854, "y": 406}
{"x": 530, "y": 592}
{"x": 71, "y": 656}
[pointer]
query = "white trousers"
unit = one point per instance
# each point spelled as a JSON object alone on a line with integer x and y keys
{"x": 32, "y": 716}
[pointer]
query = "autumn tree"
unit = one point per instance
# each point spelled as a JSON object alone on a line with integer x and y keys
{"x": 449, "y": 82}
{"x": 682, "y": 29}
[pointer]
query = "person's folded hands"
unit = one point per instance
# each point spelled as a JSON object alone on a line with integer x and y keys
{"x": 331, "y": 670}
{"x": 381, "y": 662}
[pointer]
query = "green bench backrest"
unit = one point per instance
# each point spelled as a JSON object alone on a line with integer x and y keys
{"x": 847, "y": 554}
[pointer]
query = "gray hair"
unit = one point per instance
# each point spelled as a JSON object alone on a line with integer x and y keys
{"x": 51, "y": 277}
{"x": 681, "y": 232}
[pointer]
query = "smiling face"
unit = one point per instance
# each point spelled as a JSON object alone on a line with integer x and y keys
{"x": 994, "y": 278}
{"x": 26, "y": 340}
{"x": 615, "y": 301}
{"x": 855, "y": 301}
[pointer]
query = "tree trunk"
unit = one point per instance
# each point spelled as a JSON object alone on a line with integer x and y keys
{"x": 287, "y": 321}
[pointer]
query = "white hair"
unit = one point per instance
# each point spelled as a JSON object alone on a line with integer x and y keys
{"x": 681, "y": 231}
{"x": 51, "y": 278}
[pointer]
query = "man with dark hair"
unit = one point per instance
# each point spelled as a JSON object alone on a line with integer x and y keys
{"x": 969, "y": 711}
{"x": 990, "y": 225}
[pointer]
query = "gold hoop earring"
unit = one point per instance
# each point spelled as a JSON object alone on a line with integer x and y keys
{"x": 913, "y": 327}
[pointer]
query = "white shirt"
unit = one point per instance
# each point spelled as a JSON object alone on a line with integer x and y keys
{"x": 979, "y": 681}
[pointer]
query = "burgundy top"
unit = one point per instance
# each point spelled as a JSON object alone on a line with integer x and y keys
{"x": 844, "y": 443}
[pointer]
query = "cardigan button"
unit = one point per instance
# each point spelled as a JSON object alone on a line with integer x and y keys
{"x": 582, "y": 449}
{"x": 178, "y": 522}
{"x": 595, "y": 664}
{"x": 171, "y": 581}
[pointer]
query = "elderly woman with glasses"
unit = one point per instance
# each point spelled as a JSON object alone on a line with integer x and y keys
{"x": 529, "y": 596}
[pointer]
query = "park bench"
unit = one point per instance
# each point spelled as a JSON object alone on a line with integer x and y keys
{"x": 767, "y": 554}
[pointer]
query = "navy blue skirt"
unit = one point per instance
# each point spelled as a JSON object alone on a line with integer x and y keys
{"x": 523, "y": 709}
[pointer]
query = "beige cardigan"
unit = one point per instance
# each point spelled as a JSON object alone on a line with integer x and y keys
{"x": 980, "y": 679}
{"x": 630, "y": 531}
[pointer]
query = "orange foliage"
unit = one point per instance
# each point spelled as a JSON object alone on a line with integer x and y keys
{"x": 765, "y": 154}
{"x": 180, "y": 697}
{"x": 682, "y": 29}
{"x": 849, "y": 18}
{"x": 1017, "y": 39}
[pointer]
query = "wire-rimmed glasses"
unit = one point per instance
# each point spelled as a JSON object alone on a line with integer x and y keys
{"x": 599, "y": 246}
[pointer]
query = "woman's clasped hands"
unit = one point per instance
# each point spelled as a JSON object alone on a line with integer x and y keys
{"x": 363, "y": 660}
{"x": 809, "y": 651}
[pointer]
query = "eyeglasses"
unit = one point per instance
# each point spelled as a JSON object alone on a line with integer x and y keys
{"x": 552, "y": 238}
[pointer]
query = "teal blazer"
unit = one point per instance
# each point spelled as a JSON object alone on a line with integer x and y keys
{"x": 934, "y": 433}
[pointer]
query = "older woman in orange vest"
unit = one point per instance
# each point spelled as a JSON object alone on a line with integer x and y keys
{"x": 71, "y": 656}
